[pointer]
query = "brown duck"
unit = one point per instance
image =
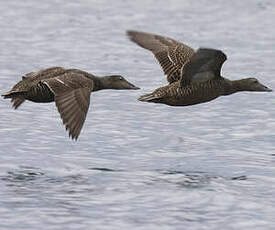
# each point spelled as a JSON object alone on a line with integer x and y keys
{"x": 194, "y": 77}
{"x": 69, "y": 88}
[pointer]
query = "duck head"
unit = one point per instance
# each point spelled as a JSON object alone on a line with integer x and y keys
{"x": 117, "y": 82}
{"x": 252, "y": 84}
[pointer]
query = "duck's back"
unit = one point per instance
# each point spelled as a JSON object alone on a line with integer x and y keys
{"x": 33, "y": 78}
{"x": 34, "y": 86}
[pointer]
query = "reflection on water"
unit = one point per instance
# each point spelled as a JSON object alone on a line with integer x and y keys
{"x": 137, "y": 165}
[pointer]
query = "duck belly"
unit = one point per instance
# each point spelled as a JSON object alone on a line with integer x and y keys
{"x": 188, "y": 100}
{"x": 193, "y": 94}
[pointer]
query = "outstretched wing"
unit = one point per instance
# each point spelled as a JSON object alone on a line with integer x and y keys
{"x": 204, "y": 65}
{"x": 72, "y": 98}
{"x": 171, "y": 54}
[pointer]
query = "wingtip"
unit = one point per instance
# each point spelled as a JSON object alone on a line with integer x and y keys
{"x": 130, "y": 34}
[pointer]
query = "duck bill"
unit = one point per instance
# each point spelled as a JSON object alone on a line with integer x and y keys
{"x": 131, "y": 86}
{"x": 263, "y": 88}
{"x": 135, "y": 88}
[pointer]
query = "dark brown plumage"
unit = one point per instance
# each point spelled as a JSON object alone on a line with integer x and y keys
{"x": 69, "y": 88}
{"x": 194, "y": 77}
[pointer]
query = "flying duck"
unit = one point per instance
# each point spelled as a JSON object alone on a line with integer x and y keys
{"x": 193, "y": 76}
{"x": 69, "y": 88}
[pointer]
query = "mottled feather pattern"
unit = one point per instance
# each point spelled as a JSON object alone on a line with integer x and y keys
{"x": 194, "y": 77}
{"x": 45, "y": 73}
{"x": 68, "y": 81}
{"x": 171, "y": 54}
{"x": 175, "y": 95}
{"x": 69, "y": 88}
{"x": 31, "y": 79}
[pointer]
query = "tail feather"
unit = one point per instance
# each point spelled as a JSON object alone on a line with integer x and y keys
{"x": 6, "y": 95}
{"x": 149, "y": 97}
{"x": 16, "y": 100}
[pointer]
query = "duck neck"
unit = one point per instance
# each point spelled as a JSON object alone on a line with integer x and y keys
{"x": 238, "y": 85}
{"x": 230, "y": 87}
{"x": 99, "y": 83}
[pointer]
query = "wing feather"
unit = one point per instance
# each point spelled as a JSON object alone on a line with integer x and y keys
{"x": 205, "y": 64}
{"x": 171, "y": 54}
{"x": 72, "y": 93}
{"x": 73, "y": 116}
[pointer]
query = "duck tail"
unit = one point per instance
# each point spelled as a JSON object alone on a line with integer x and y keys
{"x": 6, "y": 95}
{"x": 149, "y": 97}
{"x": 15, "y": 99}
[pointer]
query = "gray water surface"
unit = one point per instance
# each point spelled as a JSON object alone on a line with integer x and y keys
{"x": 138, "y": 165}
